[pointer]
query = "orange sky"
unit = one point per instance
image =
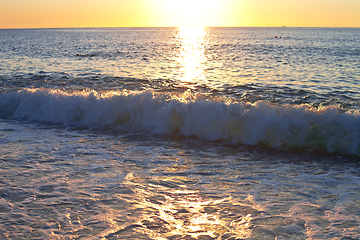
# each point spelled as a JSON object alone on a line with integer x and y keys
{"x": 161, "y": 13}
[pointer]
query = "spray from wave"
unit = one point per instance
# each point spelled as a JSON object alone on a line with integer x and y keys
{"x": 300, "y": 128}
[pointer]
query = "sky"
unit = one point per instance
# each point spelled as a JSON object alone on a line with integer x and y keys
{"x": 165, "y": 13}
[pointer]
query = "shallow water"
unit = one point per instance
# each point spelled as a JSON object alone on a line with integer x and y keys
{"x": 66, "y": 183}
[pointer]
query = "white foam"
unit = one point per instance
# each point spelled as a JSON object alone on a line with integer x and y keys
{"x": 286, "y": 127}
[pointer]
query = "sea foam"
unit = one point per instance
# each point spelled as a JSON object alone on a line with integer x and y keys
{"x": 300, "y": 128}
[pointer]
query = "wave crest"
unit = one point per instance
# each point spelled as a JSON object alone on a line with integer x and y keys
{"x": 301, "y": 128}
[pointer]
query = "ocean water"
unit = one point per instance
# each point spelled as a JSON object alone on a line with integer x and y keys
{"x": 180, "y": 133}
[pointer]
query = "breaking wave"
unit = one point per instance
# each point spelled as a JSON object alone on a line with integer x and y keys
{"x": 298, "y": 128}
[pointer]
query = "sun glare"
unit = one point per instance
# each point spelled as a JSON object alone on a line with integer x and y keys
{"x": 192, "y": 52}
{"x": 192, "y": 12}
{"x": 181, "y": 212}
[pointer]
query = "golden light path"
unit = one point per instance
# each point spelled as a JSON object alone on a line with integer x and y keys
{"x": 182, "y": 211}
{"x": 192, "y": 56}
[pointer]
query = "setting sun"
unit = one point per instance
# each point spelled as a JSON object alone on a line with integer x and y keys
{"x": 192, "y": 12}
{"x": 174, "y": 13}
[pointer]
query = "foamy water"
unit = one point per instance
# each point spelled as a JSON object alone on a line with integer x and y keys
{"x": 286, "y": 127}
{"x": 166, "y": 133}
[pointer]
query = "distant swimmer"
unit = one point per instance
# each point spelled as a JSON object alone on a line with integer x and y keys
{"x": 85, "y": 55}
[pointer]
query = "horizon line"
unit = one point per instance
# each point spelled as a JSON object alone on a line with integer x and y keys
{"x": 284, "y": 26}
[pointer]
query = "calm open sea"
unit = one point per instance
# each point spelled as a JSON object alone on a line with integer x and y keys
{"x": 180, "y": 133}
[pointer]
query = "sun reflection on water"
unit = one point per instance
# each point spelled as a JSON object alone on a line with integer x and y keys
{"x": 169, "y": 211}
{"x": 192, "y": 55}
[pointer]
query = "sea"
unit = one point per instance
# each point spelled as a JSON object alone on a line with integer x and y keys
{"x": 180, "y": 133}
